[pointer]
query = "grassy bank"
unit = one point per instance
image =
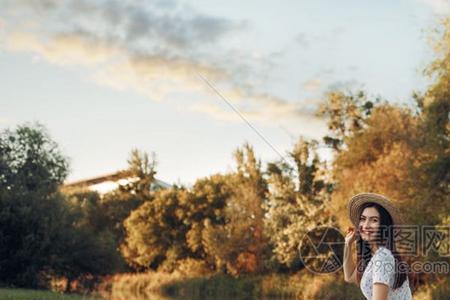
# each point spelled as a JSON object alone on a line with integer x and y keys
{"x": 25, "y": 294}
{"x": 155, "y": 285}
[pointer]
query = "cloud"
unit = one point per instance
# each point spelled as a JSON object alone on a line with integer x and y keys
{"x": 64, "y": 49}
{"x": 261, "y": 108}
{"x": 132, "y": 24}
{"x": 155, "y": 48}
{"x": 312, "y": 85}
{"x": 157, "y": 76}
{"x": 123, "y": 24}
{"x": 308, "y": 125}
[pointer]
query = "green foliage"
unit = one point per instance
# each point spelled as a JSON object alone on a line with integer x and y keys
{"x": 402, "y": 153}
{"x": 87, "y": 209}
{"x": 31, "y": 169}
{"x": 206, "y": 206}
{"x": 41, "y": 233}
{"x": 433, "y": 174}
{"x": 296, "y": 203}
{"x": 248, "y": 221}
{"x": 30, "y": 162}
{"x": 114, "y": 207}
{"x": 237, "y": 246}
{"x": 219, "y": 220}
{"x": 156, "y": 231}
{"x": 142, "y": 171}
{"x": 81, "y": 253}
{"x": 170, "y": 226}
{"x": 86, "y": 233}
{"x": 346, "y": 114}
{"x": 193, "y": 267}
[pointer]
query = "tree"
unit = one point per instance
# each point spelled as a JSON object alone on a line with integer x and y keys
{"x": 156, "y": 232}
{"x": 99, "y": 219}
{"x": 346, "y": 114}
{"x": 403, "y": 152}
{"x": 80, "y": 252}
{"x": 93, "y": 242}
{"x": 180, "y": 223}
{"x": 117, "y": 205}
{"x": 238, "y": 245}
{"x": 42, "y": 232}
{"x": 378, "y": 158}
{"x": 433, "y": 173}
{"x": 142, "y": 171}
{"x": 206, "y": 208}
{"x": 298, "y": 202}
{"x": 31, "y": 169}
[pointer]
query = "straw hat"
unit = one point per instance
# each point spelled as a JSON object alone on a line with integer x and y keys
{"x": 358, "y": 200}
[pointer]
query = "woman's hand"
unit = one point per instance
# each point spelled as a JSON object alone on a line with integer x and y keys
{"x": 351, "y": 236}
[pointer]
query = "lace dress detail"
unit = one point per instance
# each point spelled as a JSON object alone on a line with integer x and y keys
{"x": 381, "y": 268}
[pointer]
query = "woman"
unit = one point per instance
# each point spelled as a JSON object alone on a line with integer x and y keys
{"x": 381, "y": 273}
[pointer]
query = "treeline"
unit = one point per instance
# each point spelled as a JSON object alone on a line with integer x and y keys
{"x": 42, "y": 234}
{"x": 250, "y": 220}
{"x": 225, "y": 223}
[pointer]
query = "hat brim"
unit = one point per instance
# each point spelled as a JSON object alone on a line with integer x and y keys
{"x": 358, "y": 200}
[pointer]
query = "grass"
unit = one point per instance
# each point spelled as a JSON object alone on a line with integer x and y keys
{"x": 158, "y": 285}
{"x": 22, "y": 294}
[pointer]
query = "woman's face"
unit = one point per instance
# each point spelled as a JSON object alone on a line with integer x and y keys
{"x": 369, "y": 223}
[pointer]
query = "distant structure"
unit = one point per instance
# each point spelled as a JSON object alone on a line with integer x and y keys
{"x": 109, "y": 182}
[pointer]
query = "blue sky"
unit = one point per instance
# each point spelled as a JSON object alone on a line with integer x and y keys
{"x": 108, "y": 76}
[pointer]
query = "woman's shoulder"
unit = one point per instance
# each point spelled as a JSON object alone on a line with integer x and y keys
{"x": 384, "y": 254}
{"x": 383, "y": 266}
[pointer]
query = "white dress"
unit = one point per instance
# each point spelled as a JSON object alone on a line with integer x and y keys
{"x": 381, "y": 269}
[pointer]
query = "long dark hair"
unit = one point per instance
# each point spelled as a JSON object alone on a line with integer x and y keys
{"x": 384, "y": 237}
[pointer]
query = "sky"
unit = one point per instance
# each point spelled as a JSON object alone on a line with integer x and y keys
{"x": 194, "y": 80}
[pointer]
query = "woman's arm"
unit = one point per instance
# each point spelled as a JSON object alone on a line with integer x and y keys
{"x": 349, "y": 265}
{"x": 380, "y": 291}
